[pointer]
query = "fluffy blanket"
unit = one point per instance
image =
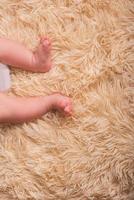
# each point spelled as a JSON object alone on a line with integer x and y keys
{"x": 89, "y": 156}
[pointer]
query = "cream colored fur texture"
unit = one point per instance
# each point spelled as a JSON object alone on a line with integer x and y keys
{"x": 89, "y": 156}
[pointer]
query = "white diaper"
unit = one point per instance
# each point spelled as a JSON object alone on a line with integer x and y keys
{"x": 5, "y": 81}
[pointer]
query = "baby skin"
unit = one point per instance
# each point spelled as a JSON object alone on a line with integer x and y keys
{"x": 24, "y": 109}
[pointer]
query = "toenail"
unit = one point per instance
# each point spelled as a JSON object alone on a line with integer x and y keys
{"x": 46, "y": 42}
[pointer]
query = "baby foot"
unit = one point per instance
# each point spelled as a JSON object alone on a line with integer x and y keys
{"x": 42, "y": 55}
{"x": 61, "y": 103}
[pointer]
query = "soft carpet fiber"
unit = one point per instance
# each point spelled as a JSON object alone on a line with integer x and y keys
{"x": 89, "y": 156}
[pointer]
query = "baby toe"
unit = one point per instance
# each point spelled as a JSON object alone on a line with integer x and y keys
{"x": 45, "y": 43}
{"x": 68, "y": 110}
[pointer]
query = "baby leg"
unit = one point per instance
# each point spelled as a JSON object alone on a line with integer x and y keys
{"x": 13, "y": 53}
{"x": 18, "y": 110}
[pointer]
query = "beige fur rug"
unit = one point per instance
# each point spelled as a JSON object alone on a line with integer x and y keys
{"x": 89, "y": 156}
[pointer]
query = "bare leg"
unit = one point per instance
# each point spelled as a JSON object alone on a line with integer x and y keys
{"x": 13, "y": 53}
{"x": 18, "y": 110}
